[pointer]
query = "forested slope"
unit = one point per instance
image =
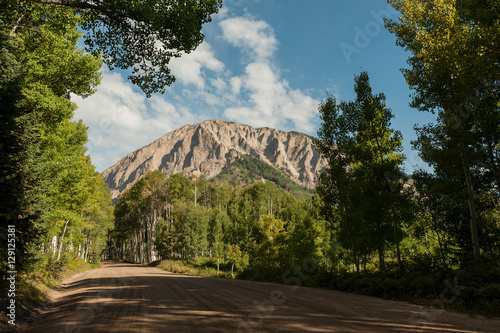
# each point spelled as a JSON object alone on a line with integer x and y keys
{"x": 247, "y": 170}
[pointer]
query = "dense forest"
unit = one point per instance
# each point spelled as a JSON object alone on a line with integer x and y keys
{"x": 368, "y": 227}
{"x": 181, "y": 217}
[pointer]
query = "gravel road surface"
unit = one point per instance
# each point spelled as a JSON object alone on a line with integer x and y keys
{"x": 129, "y": 298}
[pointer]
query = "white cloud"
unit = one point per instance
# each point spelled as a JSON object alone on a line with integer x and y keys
{"x": 255, "y": 37}
{"x": 121, "y": 120}
{"x": 266, "y": 92}
{"x": 249, "y": 116}
{"x": 219, "y": 84}
{"x": 301, "y": 109}
{"x": 235, "y": 85}
{"x": 167, "y": 117}
{"x": 188, "y": 68}
{"x": 272, "y": 102}
{"x": 270, "y": 99}
{"x": 222, "y": 14}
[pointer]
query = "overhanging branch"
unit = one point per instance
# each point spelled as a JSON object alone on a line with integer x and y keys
{"x": 115, "y": 16}
{"x": 72, "y": 4}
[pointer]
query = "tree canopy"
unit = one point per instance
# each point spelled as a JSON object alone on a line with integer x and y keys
{"x": 138, "y": 35}
{"x": 454, "y": 71}
{"x": 56, "y": 200}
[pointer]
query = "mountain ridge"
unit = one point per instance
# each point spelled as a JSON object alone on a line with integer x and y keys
{"x": 208, "y": 147}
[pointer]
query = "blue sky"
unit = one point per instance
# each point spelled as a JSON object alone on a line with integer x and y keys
{"x": 262, "y": 63}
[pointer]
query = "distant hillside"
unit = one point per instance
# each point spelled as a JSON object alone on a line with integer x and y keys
{"x": 246, "y": 170}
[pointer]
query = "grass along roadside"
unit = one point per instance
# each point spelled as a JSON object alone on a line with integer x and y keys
{"x": 33, "y": 289}
{"x": 205, "y": 267}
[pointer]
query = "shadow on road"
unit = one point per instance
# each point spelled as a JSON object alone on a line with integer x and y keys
{"x": 137, "y": 299}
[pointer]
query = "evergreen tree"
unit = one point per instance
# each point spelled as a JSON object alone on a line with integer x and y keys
{"x": 363, "y": 181}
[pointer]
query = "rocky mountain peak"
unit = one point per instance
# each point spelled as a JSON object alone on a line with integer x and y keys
{"x": 208, "y": 147}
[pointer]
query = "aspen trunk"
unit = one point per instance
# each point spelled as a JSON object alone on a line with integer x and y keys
{"x": 62, "y": 238}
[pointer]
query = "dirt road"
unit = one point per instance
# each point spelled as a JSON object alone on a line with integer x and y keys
{"x": 133, "y": 298}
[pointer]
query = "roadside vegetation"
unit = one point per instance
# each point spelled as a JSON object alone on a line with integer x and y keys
{"x": 53, "y": 200}
{"x": 33, "y": 287}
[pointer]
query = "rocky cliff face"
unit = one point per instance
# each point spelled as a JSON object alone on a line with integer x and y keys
{"x": 208, "y": 147}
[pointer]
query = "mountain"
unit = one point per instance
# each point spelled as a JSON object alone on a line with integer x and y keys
{"x": 209, "y": 147}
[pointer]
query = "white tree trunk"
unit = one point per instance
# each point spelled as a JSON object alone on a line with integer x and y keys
{"x": 54, "y": 246}
{"x": 62, "y": 238}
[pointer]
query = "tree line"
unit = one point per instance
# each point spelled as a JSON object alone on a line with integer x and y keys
{"x": 181, "y": 217}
